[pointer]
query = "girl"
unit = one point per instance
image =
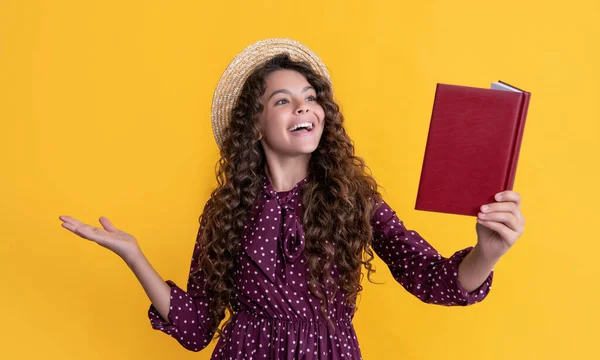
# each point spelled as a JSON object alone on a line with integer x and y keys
{"x": 293, "y": 220}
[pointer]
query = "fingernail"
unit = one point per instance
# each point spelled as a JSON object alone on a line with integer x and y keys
{"x": 484, "y": 208}
{"x": 499, "y": 196}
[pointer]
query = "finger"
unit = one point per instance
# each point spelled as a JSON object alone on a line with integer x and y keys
{"x": 510, "y": 207}
{"x": 75, "y": 224}
{"x": 506, "y": 218}
{"x": 107, "y": 224}
{"x": 509, "y": 196}
{"x": 500, "y": 228}
{"x": 80, "y": 229}
{"x": 71, "y": 223}
{"x": 70, "y": 220}
{"x": 85, "y": 231}
{"x": 500, "y": 207}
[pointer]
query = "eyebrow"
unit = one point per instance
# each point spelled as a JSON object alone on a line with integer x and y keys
{"x": 288, "y": 92}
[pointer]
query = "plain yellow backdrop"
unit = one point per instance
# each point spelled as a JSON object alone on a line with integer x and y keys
{"x": 105, "y": 111}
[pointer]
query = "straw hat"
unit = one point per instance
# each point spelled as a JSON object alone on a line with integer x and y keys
{"x": 231, "y": 82}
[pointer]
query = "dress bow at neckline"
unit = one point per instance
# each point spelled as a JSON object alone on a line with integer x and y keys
{"x": 279, "y": 242}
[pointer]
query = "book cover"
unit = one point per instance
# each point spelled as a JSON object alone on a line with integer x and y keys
{"x": 472, "y": 147}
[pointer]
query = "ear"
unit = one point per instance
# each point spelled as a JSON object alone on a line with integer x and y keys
{"x": 259, "y": 137}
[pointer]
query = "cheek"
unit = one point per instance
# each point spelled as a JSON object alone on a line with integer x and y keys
{"x": 272, "y": 122}
{"x": 320, "y": 113}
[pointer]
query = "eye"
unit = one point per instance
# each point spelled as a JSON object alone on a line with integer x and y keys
{"x": 309, "y": 97}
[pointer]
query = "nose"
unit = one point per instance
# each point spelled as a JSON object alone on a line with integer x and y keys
{"x": 302, "y": 109}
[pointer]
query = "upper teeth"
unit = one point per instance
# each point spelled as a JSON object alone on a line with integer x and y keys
{"x": 306, "y": 124}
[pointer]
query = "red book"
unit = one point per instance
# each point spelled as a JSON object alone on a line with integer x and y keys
{"x": 472, "y": 147}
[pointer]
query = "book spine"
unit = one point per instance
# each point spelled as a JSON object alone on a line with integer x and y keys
{"x": 514, "y": 157}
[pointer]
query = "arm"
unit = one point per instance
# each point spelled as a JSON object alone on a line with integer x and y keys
{"x": 154, "y": 286}
{"x": 475, "y": 269}
{"x": 181, "y": 314}
{"x": 419, "y": 267}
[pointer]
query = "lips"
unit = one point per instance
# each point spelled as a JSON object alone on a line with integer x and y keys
{"x": 302, "y": 132}
{"x": 306, "y": 125}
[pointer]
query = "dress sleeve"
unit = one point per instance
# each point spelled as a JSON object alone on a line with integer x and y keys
{"x": 188, "y": 319}
{"x": 417, "y": 266}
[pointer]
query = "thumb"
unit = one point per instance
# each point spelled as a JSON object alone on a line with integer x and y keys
{"x": 107, "y": 224}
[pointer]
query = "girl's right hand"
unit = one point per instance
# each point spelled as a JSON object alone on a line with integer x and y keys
{"x": 120, "y": 242}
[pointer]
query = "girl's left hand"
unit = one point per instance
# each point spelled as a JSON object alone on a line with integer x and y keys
{"x": 500, "y": 224}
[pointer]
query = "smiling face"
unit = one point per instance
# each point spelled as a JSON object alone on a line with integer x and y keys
{"x": 289, "y": 100}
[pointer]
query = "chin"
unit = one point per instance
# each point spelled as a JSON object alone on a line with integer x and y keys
{"x": 294, "y": 148}
{"x": 302, "y": 150}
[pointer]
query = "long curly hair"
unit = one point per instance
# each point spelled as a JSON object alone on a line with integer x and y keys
{"x": 338, "y": 202}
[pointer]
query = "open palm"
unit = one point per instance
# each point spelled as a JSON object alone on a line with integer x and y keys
{"x": 120, "y": 242}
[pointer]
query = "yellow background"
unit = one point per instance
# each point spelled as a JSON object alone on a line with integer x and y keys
{"x": 105, "y": 111}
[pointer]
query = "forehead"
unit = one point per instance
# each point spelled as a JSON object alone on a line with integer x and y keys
{"x": 281, "y": 78}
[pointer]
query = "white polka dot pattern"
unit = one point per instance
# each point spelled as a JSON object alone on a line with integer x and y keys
{"x": 275, "y": 315}
{"x": 417, "y": 266}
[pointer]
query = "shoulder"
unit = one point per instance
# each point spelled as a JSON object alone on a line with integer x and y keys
{"x": 382, "y": 210}
{"x": 385, "y": 218}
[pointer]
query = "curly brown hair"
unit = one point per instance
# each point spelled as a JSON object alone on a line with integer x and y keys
{"x": 340, "y": 196}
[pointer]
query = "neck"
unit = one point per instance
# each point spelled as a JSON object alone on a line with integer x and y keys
{"x": 285, "y": 173}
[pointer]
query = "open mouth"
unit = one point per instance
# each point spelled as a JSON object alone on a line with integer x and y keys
{"x": 302, "y": 127}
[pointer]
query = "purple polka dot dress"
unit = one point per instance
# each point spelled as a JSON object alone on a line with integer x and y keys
{"x": 275, "y": 314}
